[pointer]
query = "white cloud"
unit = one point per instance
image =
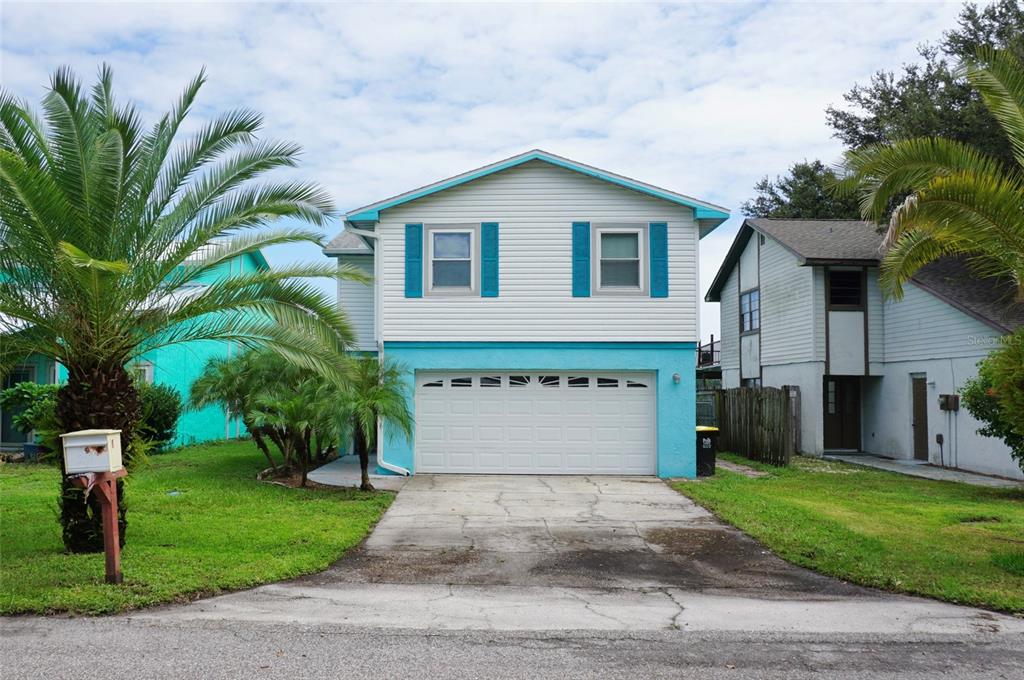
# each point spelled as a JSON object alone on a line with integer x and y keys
{"x": 702, "y": 99}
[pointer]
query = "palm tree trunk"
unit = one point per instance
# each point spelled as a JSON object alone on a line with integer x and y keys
{"x": 100, "y": 395}
{"x": 261, "y": 444}
{"x": 364, "y": 459}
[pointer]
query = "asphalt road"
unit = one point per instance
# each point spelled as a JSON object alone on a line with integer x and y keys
{"x": 114, "y": 648}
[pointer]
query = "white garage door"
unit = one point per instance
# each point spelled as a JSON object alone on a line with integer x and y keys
{"x": 535, "y": 423}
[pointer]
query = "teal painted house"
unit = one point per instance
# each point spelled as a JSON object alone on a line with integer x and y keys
{"x": 176, "y": 366}
{"x": 545, "y": 313}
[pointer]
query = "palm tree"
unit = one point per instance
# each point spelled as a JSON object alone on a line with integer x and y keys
{"x": 951, "y": 199}
{"x": 234, "y": 384}
{"x": 107, "y": 225}
{"x": 374, "y": 391}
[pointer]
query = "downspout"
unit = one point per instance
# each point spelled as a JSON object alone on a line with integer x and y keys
{"x": 377, "y": 254}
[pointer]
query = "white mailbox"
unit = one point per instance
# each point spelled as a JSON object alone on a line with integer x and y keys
{"x": 92, "y": 451}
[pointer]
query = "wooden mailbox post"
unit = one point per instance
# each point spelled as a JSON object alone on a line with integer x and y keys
{"x": 92, "y": 460}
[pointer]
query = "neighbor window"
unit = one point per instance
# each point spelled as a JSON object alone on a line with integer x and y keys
{"x": 143, "y": 371}
{"x": 750, "y": 311}
{"x": 845, "y": 289}
{"x": 451, "y": 260}
{"x": 620, "y": 255}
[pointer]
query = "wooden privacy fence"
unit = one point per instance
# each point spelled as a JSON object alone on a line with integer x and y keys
{"x": 760, "y": 423}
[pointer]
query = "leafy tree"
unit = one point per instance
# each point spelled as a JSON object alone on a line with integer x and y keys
{"x": 806, "y": 192}
{"x": 932, "y": 99}
{"x": 35, "y": 410}
{"x": 996, "y": 397}
{"x": 374, "y": 391}
{"x": 960, "y": 202}
{"x": 106, "y": 225}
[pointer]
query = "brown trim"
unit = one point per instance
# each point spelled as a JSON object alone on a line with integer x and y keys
{"x": 864, "y": 297}
{"x": 739, "y": 314}
{"x": 760, "y": 313}
{"x": 828, "y": 352}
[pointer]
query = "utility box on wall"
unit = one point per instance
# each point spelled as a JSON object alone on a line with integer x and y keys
{"x": 92, "y": 451}
{"x": 949, "y": 402}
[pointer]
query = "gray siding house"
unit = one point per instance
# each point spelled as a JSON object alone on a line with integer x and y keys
{"x": 801, "y": 305}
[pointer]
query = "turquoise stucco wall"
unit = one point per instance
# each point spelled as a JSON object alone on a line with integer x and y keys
{"x": 676, "y": 414}
{"x": 179, "y": 365}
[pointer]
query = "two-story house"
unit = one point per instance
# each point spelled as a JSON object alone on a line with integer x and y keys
{"x": 801, "y": 305}
{"x": 544, "y": 313}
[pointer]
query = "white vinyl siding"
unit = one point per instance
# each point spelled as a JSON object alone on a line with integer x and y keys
{"x": 535, "y": 205}
{"x": 818, "y": 312}
{"x": 749, "y": 264}
{"x": 787, "y": 330}
{"x": 876, "y": 322}
{"x": 921, "y": 326}
{"x": 730, "y": 311}
{"x": 356, "y": 300}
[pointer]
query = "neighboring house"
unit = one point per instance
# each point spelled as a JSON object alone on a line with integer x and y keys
{"x": 545, "y": 314}
{"x": 801, "y": 305}
{"x": 176, "y": 366}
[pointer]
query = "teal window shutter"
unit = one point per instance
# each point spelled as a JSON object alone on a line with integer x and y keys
{"x": 489, "y": 259}
{"x": 413, "y": 260}
{"x": 581, "y": 259}
{"x": 659, "y": 259}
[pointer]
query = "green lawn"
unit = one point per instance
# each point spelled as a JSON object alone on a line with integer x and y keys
{"x": 946, "y": 540}
{"x": 198, "y": 524}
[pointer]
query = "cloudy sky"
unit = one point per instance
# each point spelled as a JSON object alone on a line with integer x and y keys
{"x": 701, "y": 98}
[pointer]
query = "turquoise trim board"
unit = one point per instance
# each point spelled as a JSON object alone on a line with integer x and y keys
{"x": 676, "y": 414}
{"x": 701, "y": 211}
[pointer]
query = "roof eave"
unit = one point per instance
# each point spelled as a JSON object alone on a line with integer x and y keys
{"x": 712, "y": 214}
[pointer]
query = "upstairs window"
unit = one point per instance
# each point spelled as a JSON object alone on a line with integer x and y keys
{"x": 620, "y": 255}
{"x": 845, "y": 289}
{"x": 452, "y": 267}
{"x": 750, "y": 311}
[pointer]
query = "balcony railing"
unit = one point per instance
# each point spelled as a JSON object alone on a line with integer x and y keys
{"x": 709, "y": 353}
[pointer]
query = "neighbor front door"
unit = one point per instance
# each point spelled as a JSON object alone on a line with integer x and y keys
{"x": 842, "y": 413}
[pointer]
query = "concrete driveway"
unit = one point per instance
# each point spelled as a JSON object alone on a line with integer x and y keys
{"x": 530, "y": 553}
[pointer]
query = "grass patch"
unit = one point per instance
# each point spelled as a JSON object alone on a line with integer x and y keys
{"x": 946, "y": 540}
{"x": 198, "y": 524}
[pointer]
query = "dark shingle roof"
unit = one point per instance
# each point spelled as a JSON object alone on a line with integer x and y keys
{"x": 347, "y": 243}
{"x": 827, "y": 240}
{"x": 822, "y": 242}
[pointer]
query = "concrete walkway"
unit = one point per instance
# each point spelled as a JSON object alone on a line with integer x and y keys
{"x": 518, "y": 553}
{"x": 918, "y": 468}
{"x": 344, "y": 471}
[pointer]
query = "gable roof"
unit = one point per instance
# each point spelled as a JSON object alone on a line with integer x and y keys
{"x": 347, "y": 243}
{"x": 710, "y": 214}
{"x": 855, "y": 242}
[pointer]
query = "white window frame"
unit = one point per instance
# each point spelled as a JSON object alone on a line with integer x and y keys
{"x": 145, "y": 369}
{"x": 641, "y": 243}
{"x": 474, "y": 260}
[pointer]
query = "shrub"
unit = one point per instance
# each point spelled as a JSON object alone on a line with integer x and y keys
{"x": 996, "y": 396}
{"x": 36, "y": 411}
{"x": 161, "y": 408}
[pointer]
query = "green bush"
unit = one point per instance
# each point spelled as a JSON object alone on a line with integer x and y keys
{"x": 36, "y": 411}
{"x": 996, "y": 396}
{"x": 161, "y": 408}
